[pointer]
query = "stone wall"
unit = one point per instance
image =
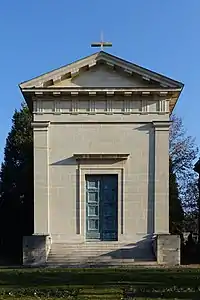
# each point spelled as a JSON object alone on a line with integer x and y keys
{"x": 36, "y": 249}
{"x": 167, "y": 249}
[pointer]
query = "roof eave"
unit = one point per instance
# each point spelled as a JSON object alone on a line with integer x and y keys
{"x": 107, "y": 57}
{"x": 174, "y": 100}
{"x": 161, "y": 76}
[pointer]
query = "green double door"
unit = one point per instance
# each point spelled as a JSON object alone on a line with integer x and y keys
{"x": 101, "y": 207}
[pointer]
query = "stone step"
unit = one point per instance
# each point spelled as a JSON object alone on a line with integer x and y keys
{"x": 93, "y": 243}
{"x": 89, "y": 254}
{"x": 95, "y": 253}
{"x": 100, "y": 253}
{"x": 96, "y": 256}
{"x": 103, "y": 253}
{"x": 91, "y": 246}
{"x": 78, "y": 259}
{"x": 99, "y": 244}
{"x": 106, "y": 258}
{"x": 113, "y": 262}
{"x": 91, "y": 250}
{"x": 94, "y": 248}
{"x": 88, "y": 251}
{"x": 91, "y": 257}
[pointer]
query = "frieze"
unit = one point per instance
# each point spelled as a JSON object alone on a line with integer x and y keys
{"x": 101, "y": 105}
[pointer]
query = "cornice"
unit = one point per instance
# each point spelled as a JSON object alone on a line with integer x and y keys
{"x": 161, "y": 125}
{"x": 106, "y": 91}
{"x": 40, "y": 126}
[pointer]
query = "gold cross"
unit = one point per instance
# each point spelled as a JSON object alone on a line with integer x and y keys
{"x": 101, "y": 43}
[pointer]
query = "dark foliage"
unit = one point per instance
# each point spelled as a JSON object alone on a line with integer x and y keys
{"x": 176, "y": 214}
{"x": 16, "y": 185}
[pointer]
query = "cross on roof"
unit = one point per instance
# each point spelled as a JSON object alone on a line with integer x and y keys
{"x": 101, "y": 44}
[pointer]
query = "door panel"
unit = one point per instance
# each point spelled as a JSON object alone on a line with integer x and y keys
{"x": 92, "y": 207}
{"x": 101, "y": 207}
{"x": 109, "y": 219}
{"x": 93, "y": 210}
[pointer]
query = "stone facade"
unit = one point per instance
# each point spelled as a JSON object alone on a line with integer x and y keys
{"x": 36, "y": 249}
{"x": 100, "y": 106}
{"x": 135, "y": 177}
{"x": 168, "y": 249}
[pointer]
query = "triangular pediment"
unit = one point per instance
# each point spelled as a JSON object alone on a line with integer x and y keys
{"x": 101, "y": 70}
{"x": 102, "y": 76}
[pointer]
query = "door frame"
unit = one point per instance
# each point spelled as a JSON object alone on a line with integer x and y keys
{"x": 101, "y": 179}
{"x": 94, "y": 170}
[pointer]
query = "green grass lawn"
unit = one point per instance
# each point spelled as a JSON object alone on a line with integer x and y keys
{"x": 136, "y": 283}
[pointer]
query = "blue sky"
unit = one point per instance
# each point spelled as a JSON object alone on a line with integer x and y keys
{"x": 37, "y": 36}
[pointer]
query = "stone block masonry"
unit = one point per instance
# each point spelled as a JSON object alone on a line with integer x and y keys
{"x": 36, "y": 249}
{"x": 168, "y": 249}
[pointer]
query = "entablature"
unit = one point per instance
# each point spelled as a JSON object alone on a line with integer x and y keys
{"x": 87, "y": 100}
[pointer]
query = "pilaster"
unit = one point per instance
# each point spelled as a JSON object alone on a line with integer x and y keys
{"x": 161, "y": 188}
{"x": 41, "y": 177}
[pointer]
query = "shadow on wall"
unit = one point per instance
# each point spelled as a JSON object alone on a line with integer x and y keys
{"x": 70, "y": 161}
{"x": 151, "y": 177}
{"x": 78, "y": 204}
{"x": 151, "y": 184}
{"x": 140, "y": 251}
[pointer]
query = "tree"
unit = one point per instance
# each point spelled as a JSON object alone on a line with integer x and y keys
{"x": 16, "y": 181}
{"x": 183, "y": 151}
{"x": 191, "y": 197}
{"x": 176, "y": 213}
{"x": 191, "y": 206}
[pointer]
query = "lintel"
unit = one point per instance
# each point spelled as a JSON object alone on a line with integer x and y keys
{"x": 90, "y": 156}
